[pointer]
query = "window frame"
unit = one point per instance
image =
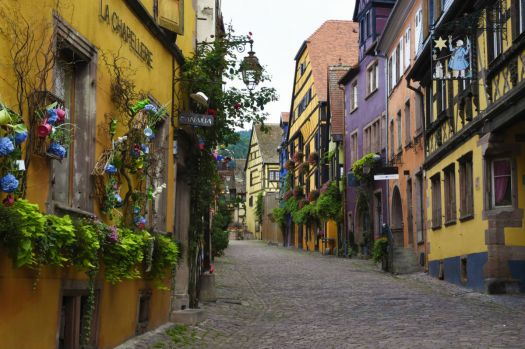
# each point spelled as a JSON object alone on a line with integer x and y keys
{"x": 449, "y": 186}
{"x": 435, "y": 183}
{"x": 353, "y": 96}
{"x": 492, "y": 183}
{"x": 466, "y": 187}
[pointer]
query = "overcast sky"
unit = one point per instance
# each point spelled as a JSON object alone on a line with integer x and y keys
{"x": 279, "y": 28}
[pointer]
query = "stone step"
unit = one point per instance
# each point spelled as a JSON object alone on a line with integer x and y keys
{"x": 405, "y": 261}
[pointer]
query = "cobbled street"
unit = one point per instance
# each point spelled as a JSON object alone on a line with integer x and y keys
{"x": 272, "y": 297}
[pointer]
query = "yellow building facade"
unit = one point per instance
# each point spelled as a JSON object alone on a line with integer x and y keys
{"x": 84, "y": 40}
{"x": 474, "y": 146}
{"x": 261, "y": 171}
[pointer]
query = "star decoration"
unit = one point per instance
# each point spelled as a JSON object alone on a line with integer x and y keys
{"x": 440, "y": 43}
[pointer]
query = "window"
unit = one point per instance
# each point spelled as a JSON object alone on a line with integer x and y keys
{"x": 466, "y": 192}
{"x": 353, "y": 96}
{"x": 372, "y": 137}
{"x": 408, "y": 135}
{"x": 362, "y": 31}
{"x": 419, "y": 113}
{"x": 368, "y": 24}
{"x": 436, "y": 201}
{"x": 398, "y": 122}
{"x": 407, "y": 47}
{"x": 441, "y": 96}
{"x": 399, "y": 61}
{"x": 392, "y": 138}
{"x": 302, "y": 68}
{"x": 501, "y": 182}
{"x": 372, "y": 78}
{"x": 274, "y": 176}
{"x": 250, "y": 202}
{"x": 71, "y": 328}
{"x": 353, "y": 149}
{"x": 495, "y": 39}
{"x": 252, "y": 178}
{"x": 144, "y": 312}
{"x": 450, "y": 194}
{"x": 419, "y": 30}
{"x": 75, "y": 64}
{"x": 520, "y": 25}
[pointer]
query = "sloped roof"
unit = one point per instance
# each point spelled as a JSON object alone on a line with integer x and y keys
{"x": 268, "y": 142}
{"x": 335, "y": 42}
{"x": 336, "y": 99}
{"x": 240, "y": 176}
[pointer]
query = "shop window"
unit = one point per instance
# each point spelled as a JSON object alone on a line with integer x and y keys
{"x": 466, "y": 187}
{"x": 143, "y": 313}
{"x": 450, "y": 194}
{"x": 436, "y": 201}
{"x": 501, "y": 180}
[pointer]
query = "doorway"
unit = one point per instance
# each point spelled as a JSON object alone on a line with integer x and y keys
{"x": 397, "y": 218}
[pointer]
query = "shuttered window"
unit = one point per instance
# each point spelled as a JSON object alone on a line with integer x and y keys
{"x": 450, "y": 194}
{"x": 466, "y": 187}
{"x": 436, "y": 201}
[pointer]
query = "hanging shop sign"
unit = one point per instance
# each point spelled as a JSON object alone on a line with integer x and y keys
{"x": 454, "y": 42}
{"x": 126, "y": 33}
{"x": 194, "y": 119}
{"x": 451, "y": 57}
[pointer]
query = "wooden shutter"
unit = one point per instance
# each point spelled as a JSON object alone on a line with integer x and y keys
{"x": 171, "y": 15}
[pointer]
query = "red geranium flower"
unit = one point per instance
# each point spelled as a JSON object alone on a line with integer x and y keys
{"x": 237, "y": 106}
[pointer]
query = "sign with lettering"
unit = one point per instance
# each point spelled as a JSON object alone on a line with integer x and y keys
{"x": 194, "y": 119}
{"x": 126, "y": 34}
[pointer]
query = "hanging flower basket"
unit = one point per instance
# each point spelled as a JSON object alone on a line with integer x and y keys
{"x": 313, "y": 195}
{"x": 298, "y": 157}
{"x": 298, "y": 192}
{"x": 304, "y": 168}
{"x": 289, "y": 165}
{"x": 313, "y": 158}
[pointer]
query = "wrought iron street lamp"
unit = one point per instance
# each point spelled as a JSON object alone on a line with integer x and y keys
{"x": 250, "y": 69}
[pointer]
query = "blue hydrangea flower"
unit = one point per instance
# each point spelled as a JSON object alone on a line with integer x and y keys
{"x": 6, "y": 146}
{"x": 118, "y": 200}
{"x": 148, "y": 132}
{"x": 8, "y": 183}
{"x": 136, "y": 210}
{"x": 140, "y": 221}
{"x": 57, "y": 149}
{"x": 145, "y": 149}
{"x": 20, "y": 137}
{"x": 151, "y": 108}
{"x": 110, "y": 168}
{"x": 52, "y": 116}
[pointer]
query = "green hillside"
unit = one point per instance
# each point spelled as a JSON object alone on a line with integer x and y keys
{"x": 239, "y": 149}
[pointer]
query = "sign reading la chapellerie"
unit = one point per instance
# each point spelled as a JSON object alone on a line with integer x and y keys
{"x": 126, "y": 33}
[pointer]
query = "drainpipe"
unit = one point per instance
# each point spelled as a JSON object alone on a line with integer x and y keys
{"x": 387, "y": 83}
{"x": 345, "y": 216}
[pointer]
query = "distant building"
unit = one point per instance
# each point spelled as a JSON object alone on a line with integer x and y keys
{"x": 262, "y": 171}
{"x": 333, "y": 43}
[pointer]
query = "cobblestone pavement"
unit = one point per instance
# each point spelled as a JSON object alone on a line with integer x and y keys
{"x": 272, "y": 297}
